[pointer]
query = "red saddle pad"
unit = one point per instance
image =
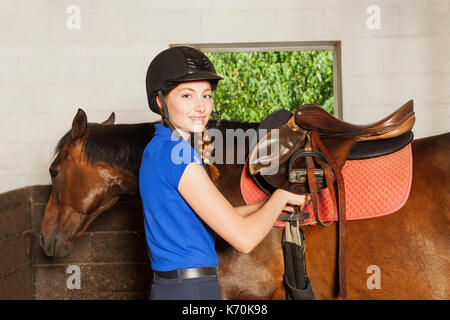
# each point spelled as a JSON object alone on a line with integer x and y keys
{"x": 373, "y": 188}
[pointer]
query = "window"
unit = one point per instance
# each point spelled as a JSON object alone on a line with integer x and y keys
{"x": 260, "y": 78}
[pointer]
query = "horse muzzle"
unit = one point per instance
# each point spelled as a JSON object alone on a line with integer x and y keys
{"x": 55, "y": 245}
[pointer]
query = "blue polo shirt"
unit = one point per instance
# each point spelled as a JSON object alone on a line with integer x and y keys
{"x": 176, "y": 237}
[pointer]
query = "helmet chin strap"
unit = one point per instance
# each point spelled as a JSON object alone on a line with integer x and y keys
{"x": 216, "y": 114}
{"x": 166, "y": 116}
{"x": 172, "y": 128}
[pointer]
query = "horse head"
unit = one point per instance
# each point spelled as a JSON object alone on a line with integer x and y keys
{"x": 81, "y": 189}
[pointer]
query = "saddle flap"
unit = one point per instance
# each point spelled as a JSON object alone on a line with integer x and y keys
{"x": 275, "y": 148}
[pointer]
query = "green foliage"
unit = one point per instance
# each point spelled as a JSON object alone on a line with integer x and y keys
{"x": 258, "y": 83}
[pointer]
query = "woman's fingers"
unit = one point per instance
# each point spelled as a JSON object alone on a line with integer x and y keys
{"x": 299, "y": 200}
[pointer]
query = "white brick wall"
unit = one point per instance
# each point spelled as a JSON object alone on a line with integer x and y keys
{"x": 48, "y": 71}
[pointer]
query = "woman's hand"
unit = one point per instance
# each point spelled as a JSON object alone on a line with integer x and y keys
{"x": 293, "y": 200}
{"x": 289, "y": 208}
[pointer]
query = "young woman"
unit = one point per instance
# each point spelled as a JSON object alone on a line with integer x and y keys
{"x": 182, "y": 206}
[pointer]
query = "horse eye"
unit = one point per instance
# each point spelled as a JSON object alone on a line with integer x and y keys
{"x": 53, "y": 172}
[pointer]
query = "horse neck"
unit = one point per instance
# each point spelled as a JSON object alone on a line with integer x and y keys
{"x": 120, "y": 147}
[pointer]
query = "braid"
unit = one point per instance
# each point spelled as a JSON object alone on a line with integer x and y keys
{"x": 204, "y": 146}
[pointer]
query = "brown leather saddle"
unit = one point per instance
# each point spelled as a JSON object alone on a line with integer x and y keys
{"x": 306, "y": 154}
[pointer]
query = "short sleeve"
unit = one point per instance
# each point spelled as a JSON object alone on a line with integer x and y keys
{"x": 176, "y": 156}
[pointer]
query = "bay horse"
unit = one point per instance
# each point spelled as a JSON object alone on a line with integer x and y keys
{"x": 96, "y": 163}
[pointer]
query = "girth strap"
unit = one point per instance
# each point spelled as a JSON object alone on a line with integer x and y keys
{"x": 310, "y": 153}
{"x": 314, "y": 141}
{"x": 326, "y": 167}
{"x": 316, "y": 179}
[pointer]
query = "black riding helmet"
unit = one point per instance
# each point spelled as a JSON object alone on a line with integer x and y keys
{"x": 174, "y": 66}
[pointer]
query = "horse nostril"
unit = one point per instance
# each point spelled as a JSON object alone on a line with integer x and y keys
{"x": 52, "y": 245}
{"x": 55, "y": 246}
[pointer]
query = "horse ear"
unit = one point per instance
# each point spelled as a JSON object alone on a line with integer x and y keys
{"x": 79, "y": 125}
{"x": 110, "y": 120}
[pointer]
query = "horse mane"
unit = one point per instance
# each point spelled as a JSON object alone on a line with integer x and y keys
{"x": 122, "y": 145}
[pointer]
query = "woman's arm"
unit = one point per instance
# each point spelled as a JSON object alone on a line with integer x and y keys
{"x": 242, "y": 232}
{"x": 249, "y": 209}
{"x": 246, "y": 210}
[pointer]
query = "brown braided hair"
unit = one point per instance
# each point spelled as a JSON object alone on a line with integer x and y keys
{"x": 202, "y": 144}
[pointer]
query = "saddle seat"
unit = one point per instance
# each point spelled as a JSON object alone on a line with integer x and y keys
{"x": 313, "y": 117}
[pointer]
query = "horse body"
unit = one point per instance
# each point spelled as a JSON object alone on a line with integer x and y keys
{"x": 409, "y": 248}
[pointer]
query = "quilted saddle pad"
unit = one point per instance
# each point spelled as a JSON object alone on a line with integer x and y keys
{"x": 374, "y": 187}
